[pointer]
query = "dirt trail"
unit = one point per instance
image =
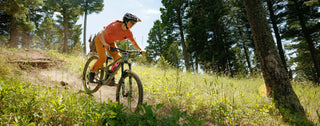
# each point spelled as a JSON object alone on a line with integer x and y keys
{"x": 39, "y": 68}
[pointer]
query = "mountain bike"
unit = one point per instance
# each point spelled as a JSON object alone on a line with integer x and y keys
{"x": 129, "y": 89}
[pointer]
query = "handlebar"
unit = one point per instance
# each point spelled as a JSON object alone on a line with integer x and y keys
{"x": 113, "y": 49}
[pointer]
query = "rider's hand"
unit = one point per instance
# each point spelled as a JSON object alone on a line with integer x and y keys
{"x": 143, "y": 52}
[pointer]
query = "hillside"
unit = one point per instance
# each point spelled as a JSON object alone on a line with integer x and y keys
{"x": 52, "y": 69}
{"x": 49, "y": 88}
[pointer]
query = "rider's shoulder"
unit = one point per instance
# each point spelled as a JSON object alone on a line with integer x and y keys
{"x": 112, "y": 26}
{"x": 117, "y": 22}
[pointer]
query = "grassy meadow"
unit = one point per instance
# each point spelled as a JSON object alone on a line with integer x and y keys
{"x": 222, "y": 100}
{"x": 171, "y": 97}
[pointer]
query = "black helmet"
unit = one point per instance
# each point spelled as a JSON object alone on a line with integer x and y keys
{"x": 130, "y": 17}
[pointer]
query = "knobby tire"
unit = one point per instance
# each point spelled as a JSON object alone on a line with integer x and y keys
{"x": 85, "y": 77}
{"x": 137, "y": 94}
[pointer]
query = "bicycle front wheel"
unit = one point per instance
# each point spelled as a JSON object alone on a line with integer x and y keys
{"x": 91, "y": 87}
{"x": 130, "y": 91}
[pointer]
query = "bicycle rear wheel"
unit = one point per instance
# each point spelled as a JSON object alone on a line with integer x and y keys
{"x": 91, "y": 87}
{"x": 130, "y": 94}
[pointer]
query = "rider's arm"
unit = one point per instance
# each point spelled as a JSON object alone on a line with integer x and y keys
{"x": 134, "y": 43}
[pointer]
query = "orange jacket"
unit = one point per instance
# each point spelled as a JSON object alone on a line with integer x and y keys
{"x": 113, "y": 32}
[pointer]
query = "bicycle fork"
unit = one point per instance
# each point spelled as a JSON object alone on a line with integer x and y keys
{"x": 129, "y": 93}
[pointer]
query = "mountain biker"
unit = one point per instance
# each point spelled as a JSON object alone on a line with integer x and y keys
{"x": 115, "y": 31}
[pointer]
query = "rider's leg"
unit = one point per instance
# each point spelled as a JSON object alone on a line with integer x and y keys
{"x": 115, "y": 56}
{"x": 102, "y": 58}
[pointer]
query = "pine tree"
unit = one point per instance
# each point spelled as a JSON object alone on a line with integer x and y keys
{"x": 274, "y": 73}
{"x": 242, "y": 35}
{"x": 197, "y": 30}
{"x": 48, "y": 35}
{"x": 18, "y": 12}
{"x": 89, "y": 7}
{"x": 276, "y": 18}
{"x": 173, "y": 17}
{"x": 303, "y": 29}
{"x": 156, "y": 41}
{"x": 69, "y": 12}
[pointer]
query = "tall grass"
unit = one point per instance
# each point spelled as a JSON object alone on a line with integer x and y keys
{"x": 23, "y": 103}
{"x": 219, "y": 99}
{"x": 216, "y": 99}
{"x": 171, "y": 97}
{"x": 26, "y": 104}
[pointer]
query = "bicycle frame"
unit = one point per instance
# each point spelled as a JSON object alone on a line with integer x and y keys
{"x": 109, "y": 75}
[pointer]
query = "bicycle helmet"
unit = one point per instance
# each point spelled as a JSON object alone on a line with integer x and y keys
{"x": 130, "y": 17}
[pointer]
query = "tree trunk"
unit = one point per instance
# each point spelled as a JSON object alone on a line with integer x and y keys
{"x": 26, "y": 37}
{"x": 65, "y": 37}
{"x": 274, "y": 73}
{"x": 247, "y": 56}
{"x": 85, "y": 29}
{"x": 197, "y": 62}
{"x": 184, "y": 47}
{"x": 276, "y": 32}
{"x": 308, "y": 38}
{"x": 184, "y": 50}
{"x": 13, "y": 41}
{"x": 26, "y": 40}
{"x": 65, "y": 32}
{"x": 245, "y": 52}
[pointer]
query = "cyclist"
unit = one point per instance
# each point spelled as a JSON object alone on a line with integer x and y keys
{"x": 115, "y": 31}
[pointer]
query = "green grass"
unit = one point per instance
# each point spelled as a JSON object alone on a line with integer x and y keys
{"x": 171, "y": 98}
{"x": 218, "y": 100}
{"x": 222, "y": 100}
{"x": 23, "y": 103}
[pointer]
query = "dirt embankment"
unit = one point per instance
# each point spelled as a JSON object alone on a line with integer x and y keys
{"x": 40, "y": 69}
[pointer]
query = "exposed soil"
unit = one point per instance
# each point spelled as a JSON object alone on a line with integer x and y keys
{"x": 39, "y": 68}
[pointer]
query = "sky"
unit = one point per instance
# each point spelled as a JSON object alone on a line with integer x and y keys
{"x": 147, "y": 10}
